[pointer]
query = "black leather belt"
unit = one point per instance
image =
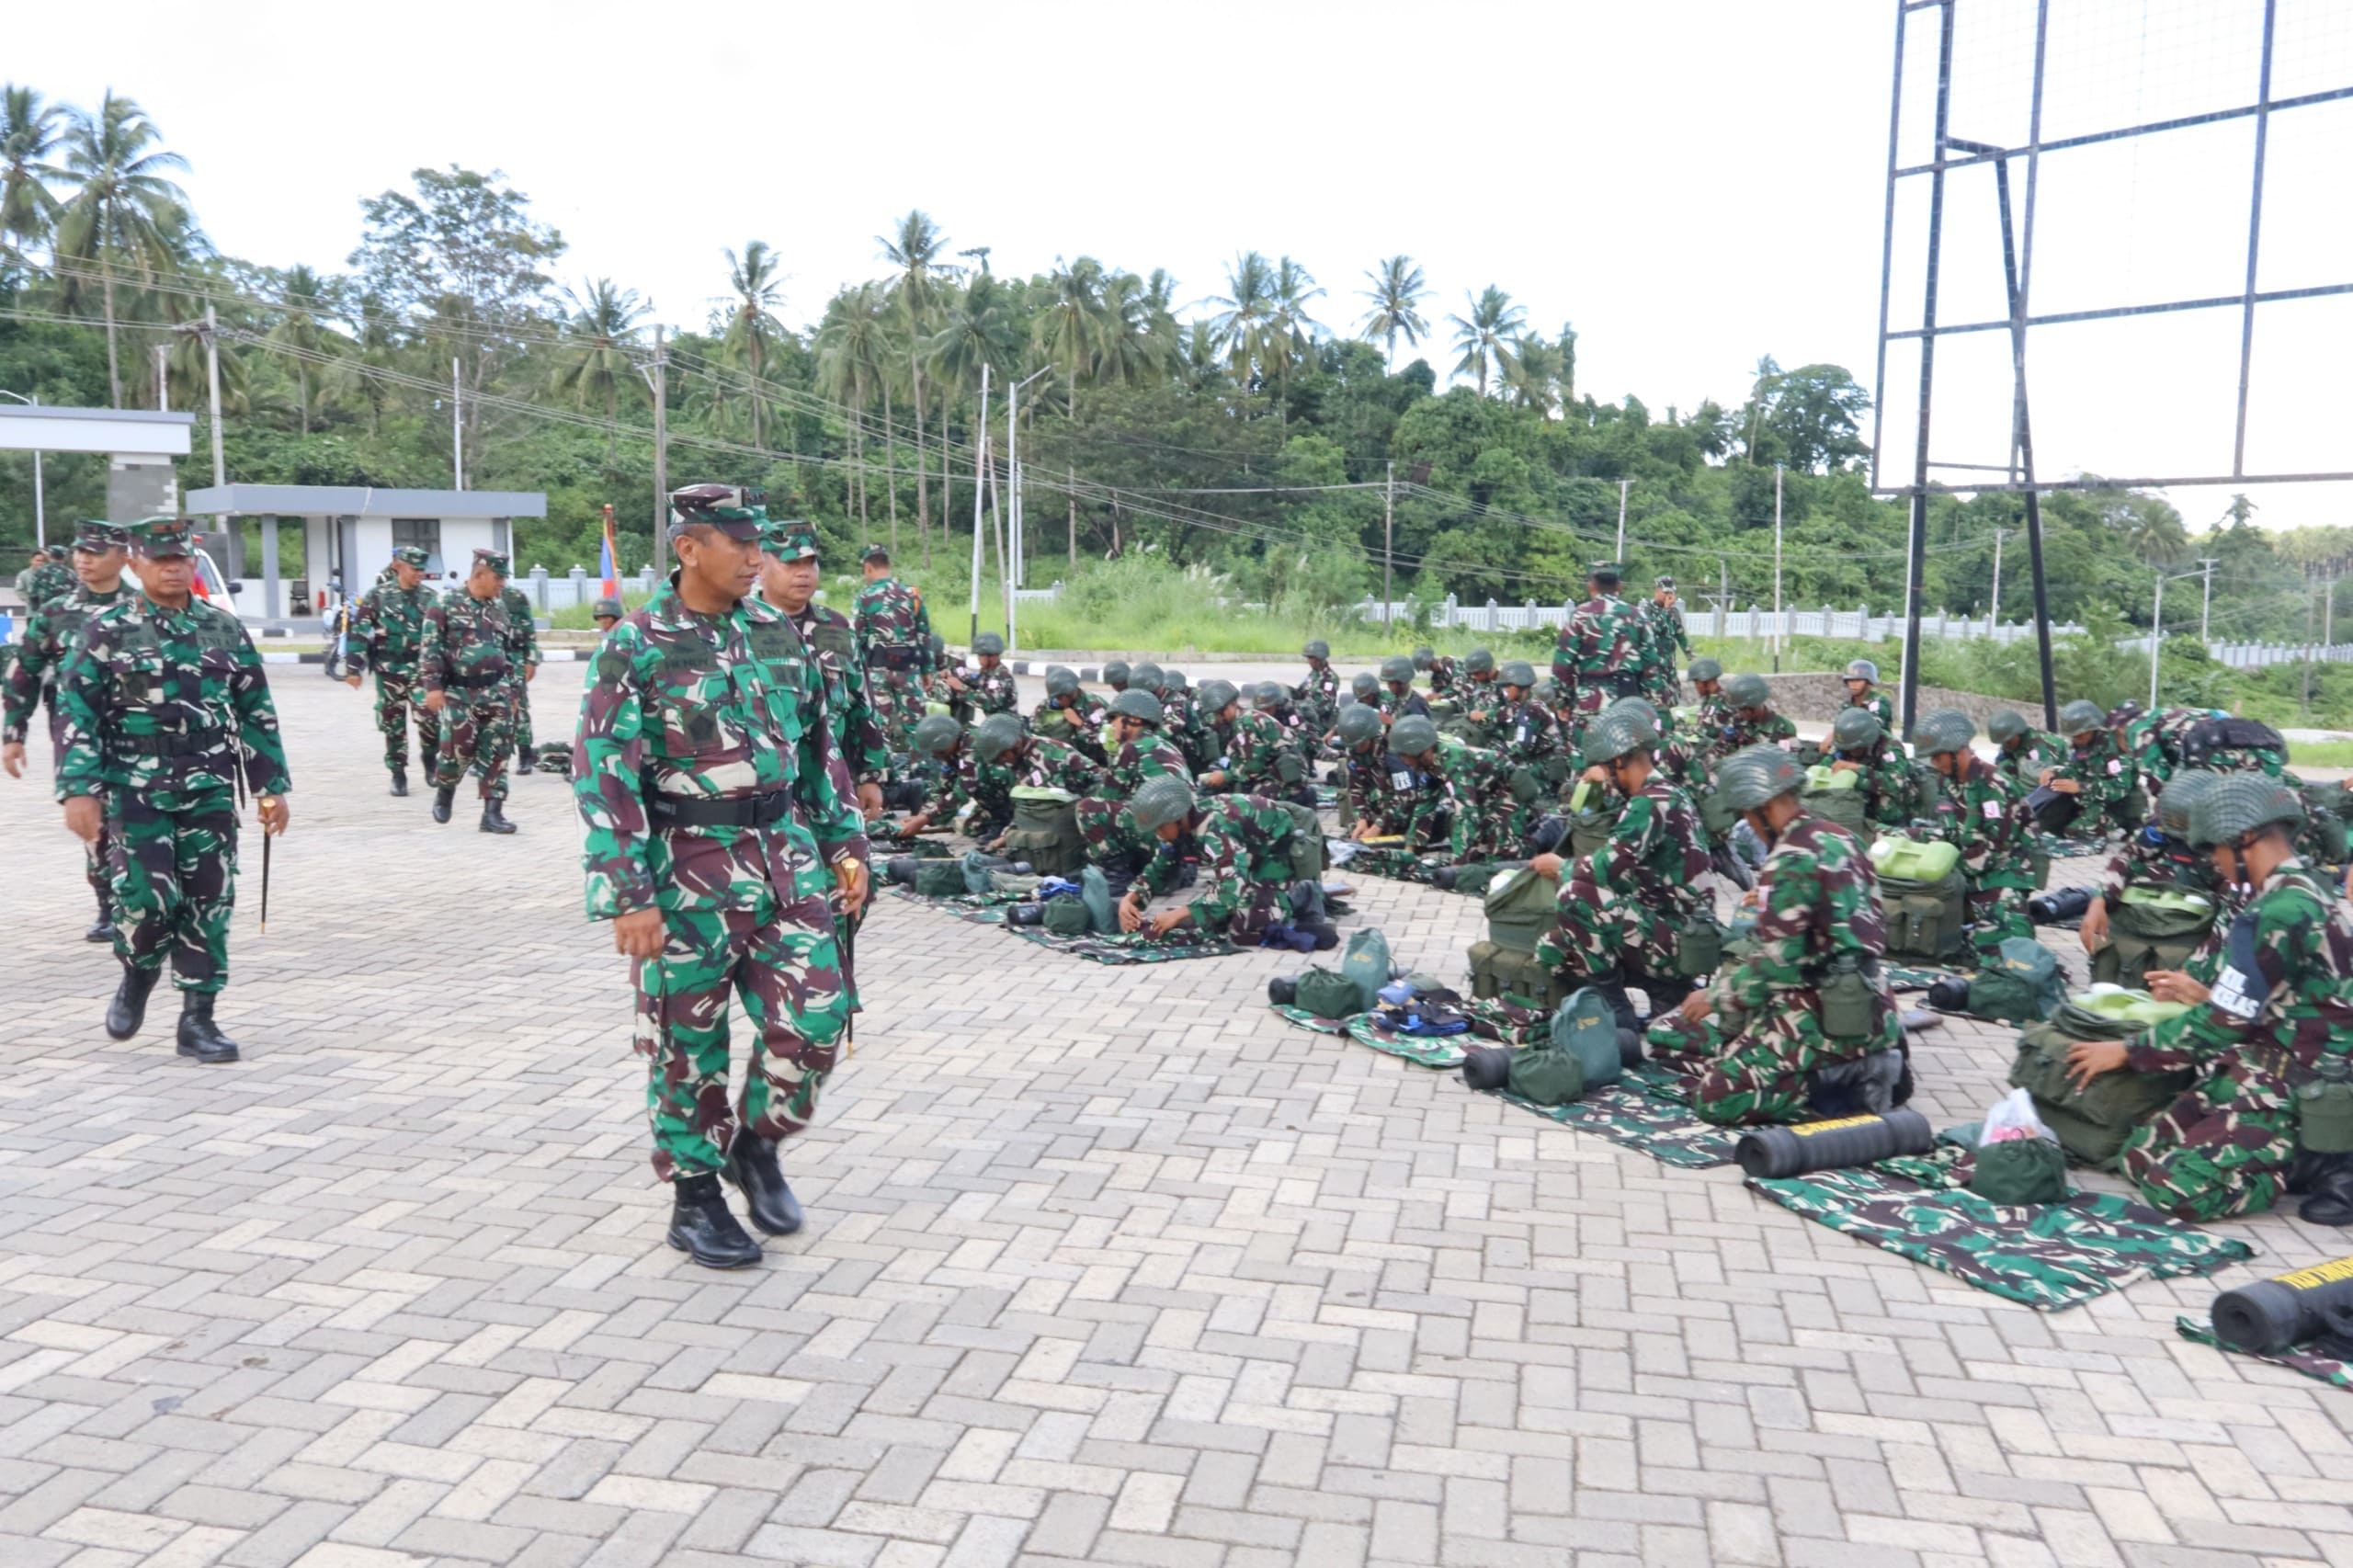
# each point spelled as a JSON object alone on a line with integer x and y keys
{"x": 185, "y": 742}
{"x": 728, "y": 810}
{"x": 476, "y": 682}
{"x": 904, "y": 657}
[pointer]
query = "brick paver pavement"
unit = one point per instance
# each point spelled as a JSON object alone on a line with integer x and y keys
{"x": 1106, "y": 1266}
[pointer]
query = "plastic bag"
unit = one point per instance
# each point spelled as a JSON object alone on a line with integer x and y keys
{"x": 2018, "y": 1161}
{"x": 2013, "y": 1115}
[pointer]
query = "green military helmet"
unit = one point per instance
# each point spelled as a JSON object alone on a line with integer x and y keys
{"x": 1705, "y": 669}
{"x": 1137, "y": 703}
{"x": 1747, "y": 691}
{"x": 1365, "y": 687}
{"x": 1060, "y": 682}
{"x": 1147, "y": 675}
{"x": 1519, "y": 673}
{"x": 1161, "y": 799}
{"x": 1358, "y": 725}
{"x": 988, "y": 642}
{"x": 1217, "y": 696}
{"x": 1946, "y": 730}
{"x": 1172, "y": 680}
{"x": 1642, "y": 704}
{"x": 1397, "y": 667}
{"x": 1266, "y": 694}
{"x": 1861, "y": 669}
{"x": 1751, "y": 777}
{"x": 1855, "y": 728}
{"x": 2079, "y": 716}
{"x": 2178, "y": 805}
{"x": 1424, "y": 657}
{"x": 939, "y": 647}
{"x": 1316, "y": 649}
{"x": 2238, "y": 804}
{"x": 1413, "y": 735}
{"x": 606, "y": 607}
{"x": 1115, "y": 673}
{"x": 995, "y": 736}
{"x": 1617, "y": 732}
{"x": 1478, "y": 662}
{"x": 2005, "y": 727}
{"x": 937, "y": 735}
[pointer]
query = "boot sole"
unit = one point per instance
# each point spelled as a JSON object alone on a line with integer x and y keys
{"x": 757, "y": 1223}
{"x": 678, "y": 1246}
{"x": 206, "y": 1060}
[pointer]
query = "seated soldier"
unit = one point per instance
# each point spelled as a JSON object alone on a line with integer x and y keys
{"x": 986, "y": 786}
{"x": 1399, "y": 698}
{"x": 2282, "y": 1003}
{"x": 2093, "y": 770}
{"x": 1186, "y": 722}
{"x": 1524, "y": 733}
{"x": 2157, "y": 856}
{"x": 606, "y": 613}
{"x": 1439, "y": 668}
{"x": 1031, "y": 760}
{"x": 945, "y": 690}
{"x": 1802, "y": 1023}
{"x": 1682, "y": 766}
{"x": 1145, "y": 676}
{"x": 1862, "y": 682}
{"x": 1273, "y": 700}
{"x": 1365, "y": 687}
{"x": 1624, "y": 910}
{"x": 1144, "y": 752}
{"x": 1753, "y": 721}
{"x": 1364, "y": 792}
{"x": 1248, "y": 893}
{"x": 1715, "y": 713}
{"x": 1115, "y": 675}
{"x": 1069, "y": 713}
{"x": 1860, "y": 744}
{"x": 993, "y": 690}
{"x": 1259, "y": 757}
{"x": 1422, "y": 802}
{"x": 1319, "y": 695}
{"x": 2021, "y": 750}
{"x": 1479, "y": 693}
{"x": 1982, "y": 815}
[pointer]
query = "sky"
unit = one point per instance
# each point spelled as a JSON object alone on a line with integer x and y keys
{"x": 1692, "y": 186}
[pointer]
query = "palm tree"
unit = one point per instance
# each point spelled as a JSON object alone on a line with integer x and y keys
{"x": 1531, "y": 374}
{"x": 977, "y": 328}
{"x": 354, "y": 374}
{"x": 914, "y": 250}
{"x": 602, "y": 328}
{"x": 751, "y": 324}
{"x": 1132, "y": 341}
{"x": 1396, "y": 294}
{"x": 1200, "y": 357}
{"x": 1249, "y": 302}
{"x": 304, "y": 302}
{"x": 31, "y": 129}
{"x": 1069, "y": 332}
{"x": 125, "y": 207}
{"x": 1486, "y": 334}
{"x": 851, "y": 344}
{"x": 1290, "y": 330}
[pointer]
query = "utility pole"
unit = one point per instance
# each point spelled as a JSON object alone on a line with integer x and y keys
{"x": 2306, "y": 702}
{"x": 979, "y": 479}
{"x": 2157, "y": 636}
{"x": 1994, "y": 614}
{"x": 40, "y": 518}
{"x": 1388, "y": 541}
{"x": 162, "y": 372}
{"x": 1777, "y": 568}
{"x": 212, "y": 380}
{"x": 2206, "y": 599}
{"x": 658, "y": 379}
{"x": 1013, "y": 468}
{"x": 1723, "y": 595}
{"x": 1624, "y": 485}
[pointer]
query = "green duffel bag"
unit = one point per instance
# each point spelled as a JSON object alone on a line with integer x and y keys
{"x": 940, "y": 878}
{"x": 1926, "y": 920}
{"x": 2021, "y": 1170}
{"x": 2159, "y": 913}
{"x": 1045, "y": 831}
{"x": 1366, "y": 962}
{"x": 1585, "y": 1030}
{"x": 2152, "y": 929}
{"x": 2024, "y": 986}
{"x": 1474, "y": 879}
{"x": 1547, "y": 1076}
{"x": 2092, "y": 1123}
{"x": 1306, "y": 844}
{"x": 1521, "y": 908}
{"x": 1699, "y": 945}
{"x": 1102, "y": 909}
{"x": 1065, "y": 916}
{"x": 1328, "y": 993}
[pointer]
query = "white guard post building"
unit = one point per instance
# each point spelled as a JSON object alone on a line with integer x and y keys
{"x": 349, "y": 535}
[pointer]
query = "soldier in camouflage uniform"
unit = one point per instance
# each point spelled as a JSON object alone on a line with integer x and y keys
{"x": 1144, "y": 752}
{"x": 1115, "y": 675}
{"x": 840, "y": 699}
{"x": 716, "y": 851}
{"x": 1479, "y": 699}
{"x": 1273, "y": 700}
{"x": 1262, "y": 758}
{"x": 1860, "y": 744}
{"x": 1361, "y": 744}
{"x": 1245, "y": 853}
{"x": 527, "y": 664}
{"x": 1752, "y": 723}
{"x": 895, "y": 645}
{"x": 1603, "y": 650}
{"x": 992, "y": 690}
{"x": 1398, "y": 697}
{"x": 1624, "y": 909}
{"x": 51, "y": 633}
{"x": 965, "y": 779}
{"x": 1863, "y": 693}
{"x": 2282, "y": 1002}
{"x": 606, "y": 613}
{"x": 1423, "y": 801}
{"x": 1715, "y": 712}
{"x": 1071, "y": 713}
{"x": 1185, "y": 724}
{"x": 1525, "y": 734}
{"x": 160, "y": 701}
{"x": 1682, "y": 766}
{"x": 387, "y": 633}
{"x": 1983, "y": 814}
{"x": 1035, "y": 761}
{"x": 1770, "y": 1054}
{"x": 1441, "y": 668}
{"x": 2021, "y": 751}
{"x": 1670, "y": 641}
{"x": 2158, "y": 855}
{"x": 2093, "y": 770}
{"x": 1319, "y": 695}
{"x": 466, "y": 663}
{"x": 50, "y": 577}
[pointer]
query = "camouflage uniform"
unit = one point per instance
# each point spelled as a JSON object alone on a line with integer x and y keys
{"x": 51, "y": 633}
{"x": 1886, "y": 783}
{"x": 851, "y": 721}
{"x": 1715, "y": 721}
{"x": 1983, "y": 816}
{"x": 157, "y": 708}
{"x": 1048, "y": 764}
{"x": 1244, "y": 847}
{"x": 1875, "y": 703}
{"x": 386, "y": 636}
{"x": 1080, "y": 724}
{"x": 2105, "y": 778}
{"x": 1624, "y": 908}
{"x": 1739, "y": 733}
{"x": 1670, "y": 647}
{"x": 1442, "y": 676}
{"x": 1817, "y": 902}
{"x": 2025, "y": 758}
{"x": 2284, "y": 1000}
{"x": 1600, "y": 656}
{"x": 1489, "y": 821}
{"x": 1110, "y": 839}
{"x": 1254, "y": 754}
{"x": 692, "y": 775}
{"x": 1397, "y": 705}
{"x": 1318, "y": 698}
{"x": 42, "y": 584}
{"x": 986, "y": 786}
{"x": 469, "y": 654}
{"x": 1421, "y": 804}
{"x": 894, "y": 642}
{"x": 993, "y": 691}
{"x": 526, "y": 657}
{"x": 1484, "y": 694}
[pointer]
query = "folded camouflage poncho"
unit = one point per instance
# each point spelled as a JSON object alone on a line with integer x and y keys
{"x": 2050, "y": 1256}
{"x": 2311, "y": 1363}
{"x": 980, "y": 908}
{"x": 1645, "y": 1110}
{"x": 1125, "y": 947}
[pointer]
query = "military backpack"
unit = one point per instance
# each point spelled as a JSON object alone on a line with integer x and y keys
{"x": 2092, "y": 1121}
{"x": 1045, "y": 831}
{"x": 2152, "y": 929}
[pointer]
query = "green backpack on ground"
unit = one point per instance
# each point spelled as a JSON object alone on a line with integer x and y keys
{"x": 1365, "y": 964}
{"x": 1328, "y": 993}
{"x": 1306, "y": 844}
{"x": 2021, "y": 1170}
{"x": 940, "y": 878}
{"x": 2152, "y": 929}
{"x": 1065, "y": 916}
{"x": 1584, "y": 1027}
{"x": 1045, "y": 831}
{"x": 1520, "y": 908}
{"x": 2092, "y": 1123}
{"x": 1924, "y": 920}
{"x": 2024, "y": 986}
{"x": 1836, "y": 797}
{"x": 1102, "y": 909}
{"x": 1498, "y": 973}
{"x": 1546, "y": 1075}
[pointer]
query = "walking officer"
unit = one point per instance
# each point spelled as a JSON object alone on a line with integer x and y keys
{"x": 471, "y": 651}
{"x": 387, "y": 636}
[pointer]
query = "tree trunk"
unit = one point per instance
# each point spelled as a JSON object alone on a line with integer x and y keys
{"x": 923, "y": 493}
{"x": 758, "y": 439}
{"x": 1070, "y": 493}
{"x": 890, "y": 467}
{"x": 303, "y": 393}
{"x": 114, "y": 363}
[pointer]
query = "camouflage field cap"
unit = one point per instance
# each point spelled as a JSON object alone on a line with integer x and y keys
{"x": 97, "y": 538}
{"x": 876, "y": 553}
{"x": 153, "y": 538}
{"x": 497, "y": 561}
{"x": 412, "y": 555}
{"x": 606, "y": 607}
{"x": 738, "y": 511}
{"x": 1663, "y": 580}
{"x": 1606, "y": 572}
{"x": 789, "y": 539}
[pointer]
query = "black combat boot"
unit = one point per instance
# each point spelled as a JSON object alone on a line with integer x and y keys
{"x": 2329, "y": 1179}
{"x": 493, "y": 819}
{"x": 701, "y": 1227}
{"x": 102, "y": 929}
{"x": 443, "y": 794}
{"x": 752, "y": 1170}
{"x": 129, "y": 1010}
{"x": 200, "y": 1036}
{"x": 525, "y": 762}
{"x": 400, "y": 780}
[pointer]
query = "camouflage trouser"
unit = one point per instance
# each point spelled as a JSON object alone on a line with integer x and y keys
{"x": 1621, "y": 933}
{"x": 898, "y": 700}
{"x": 1111, "y": 839}
{"x": 1261, "y": 907}
{"x": 1994, "y": 914}
{"x": 2221, "y": 1148}
{"x": 1759, "y": 1075}
{"x": 1496, "y": 828}
{"x": 174, "y": 886}
{"x": 520, "y": 697}
{"x": 784, "y": 962}
{"x": 98, "y": 856}
{"x": 400, "y": 701}
{"x": 473, "y": 736}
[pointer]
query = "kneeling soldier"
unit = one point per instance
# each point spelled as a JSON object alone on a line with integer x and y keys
{"x": 1806, "y": 1023}
{"x": 2093, "y": 770}
{"x": 966, "y": 779}
{"x": 1862, "y": 693}
{"x": 1144, "y": 752}
{"x": 1981, "y": 816}
{"x": 1425, "y": 799}
{"x": 1247, "y": 882}
{"x": 1860, "y": 744}
{"x": 1752, "y": 721}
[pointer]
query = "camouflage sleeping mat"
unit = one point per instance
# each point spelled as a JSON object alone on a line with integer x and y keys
{"x": 2311, "y": 1363}
{"x": 980, "y": 908}
{"x": 1490, "y": 1021}
{"x": 1920, "y": 976}
{"x": 1645, "y": 1110}
{"x": 1127, "y": 946}
{"x": 1396, "y": 865}
{"x": 2060, "y": 848}
{"x": 2049, "y": 1256}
